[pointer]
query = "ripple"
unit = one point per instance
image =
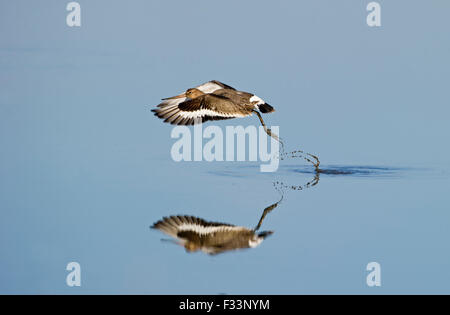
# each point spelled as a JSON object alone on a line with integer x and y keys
{"x": 350, "y": 170}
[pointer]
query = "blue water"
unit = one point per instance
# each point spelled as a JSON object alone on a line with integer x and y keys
{"x": 85, "y": 167}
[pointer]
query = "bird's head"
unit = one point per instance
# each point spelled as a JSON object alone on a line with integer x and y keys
{"x": 190, "y": 93}
{"x": 191, "y": 247}
{"x": 193, "y": 93}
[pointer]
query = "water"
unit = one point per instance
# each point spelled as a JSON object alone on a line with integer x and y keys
{"x": 85, "y": 167}
{"x": 327, "y": 227}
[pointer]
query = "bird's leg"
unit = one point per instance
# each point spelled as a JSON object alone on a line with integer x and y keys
{"x": 266, "y": 211}
{"x": 279, "y": 186}
{"x": 269, "y": 132}
{"x": 315, "y": 160}
{"x": 304, "y": 155}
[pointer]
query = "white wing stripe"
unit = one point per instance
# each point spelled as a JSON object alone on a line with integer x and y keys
{"x": 208, "y": 112}
{"x": 203, "y": 230}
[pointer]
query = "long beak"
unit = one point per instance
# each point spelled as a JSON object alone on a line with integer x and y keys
{"x": 173, "y": 97}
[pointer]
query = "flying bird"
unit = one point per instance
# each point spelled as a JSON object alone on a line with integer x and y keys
{"x": 210, "y": 237}
{"x": 212, "y": 100}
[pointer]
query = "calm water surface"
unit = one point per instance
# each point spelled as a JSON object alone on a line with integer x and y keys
{"x": 85, "y": 167}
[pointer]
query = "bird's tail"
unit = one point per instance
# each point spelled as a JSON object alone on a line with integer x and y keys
{"x": 265, "y": 108}
{"x": 265, "y": 234}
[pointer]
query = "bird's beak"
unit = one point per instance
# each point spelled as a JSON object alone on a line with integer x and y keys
{"x": 174, "y": 97}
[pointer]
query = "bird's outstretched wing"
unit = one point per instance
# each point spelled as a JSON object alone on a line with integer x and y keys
{"x": 200, "y": 109}
{"x": 174, "y": 225}
{"x": 212, "y": 86}
{"x": 210, "y": 237}
{"x": 207, "y": 88}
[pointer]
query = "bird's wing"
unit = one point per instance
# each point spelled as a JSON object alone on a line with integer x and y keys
{"x": 214, "y": 85}
{"x": 201, "y": 109}
{"x": 189, "y": 225}
{"x": 207, "y": 88}
{"x": 213, "y": 237}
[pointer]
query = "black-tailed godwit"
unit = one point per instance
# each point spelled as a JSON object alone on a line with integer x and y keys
{"x": 210, "y": 237}
{"x": 212, "y": 100}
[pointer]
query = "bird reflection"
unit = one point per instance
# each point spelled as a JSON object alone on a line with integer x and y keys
{"x": 213, "y": 238}
{"x": 196, "y": 234}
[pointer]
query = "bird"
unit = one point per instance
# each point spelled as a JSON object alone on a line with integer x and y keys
{"x": 210, "y": 237}
{"x": 212, "y": 100}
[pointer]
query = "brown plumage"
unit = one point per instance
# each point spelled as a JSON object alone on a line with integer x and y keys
{"x": 210, "y": 237}
{"x": 212, "y": 100}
